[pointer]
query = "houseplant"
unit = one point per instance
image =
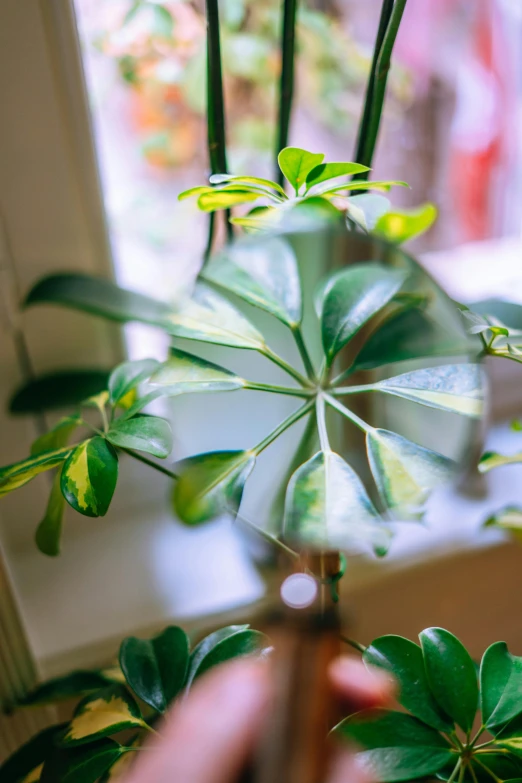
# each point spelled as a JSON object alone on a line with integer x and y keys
{"x": 438, "y": 682}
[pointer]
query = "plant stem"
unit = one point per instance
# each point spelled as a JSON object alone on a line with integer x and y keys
{"x": 348, "y": 413}
{"x": 150, "y": 463}
{"x": 267, "y": 536}
{"x": 210, "y": 240}
{"x": 345, "y": 390}
{"x": 321, "y": 422}
{"x": 356, "y": 646}
{"x": 487, "y": 769}
{"x": 276, "y": 359}
{"x": 454, "y": 773}
{"x": 295, "y": 416}
{"x": 381, "y": 77}
{"x": 286, "y": 85}
{"x": 303, "y": 350}
{"x": 293, "y": 392}
{"x": 217, "y": 147}
{"x": 361, "y": 154}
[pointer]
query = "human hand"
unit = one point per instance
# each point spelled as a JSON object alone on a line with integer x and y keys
{"x": 210, "y": 737}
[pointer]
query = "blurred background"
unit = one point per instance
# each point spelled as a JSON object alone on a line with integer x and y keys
{"x": 452, "y": 129}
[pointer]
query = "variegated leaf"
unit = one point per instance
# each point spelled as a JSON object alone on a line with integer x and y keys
{"x": 185, "y": 373}
{"x": 89, "y": 477}
{"x": 103, "y": 713}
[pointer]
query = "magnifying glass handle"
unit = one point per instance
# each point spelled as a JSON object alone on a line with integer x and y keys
{"x": 296, "y": 748}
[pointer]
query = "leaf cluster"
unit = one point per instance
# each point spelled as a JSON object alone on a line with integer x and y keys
{"x": 455, "y": 725}
{"x": 318, "y": 188}
{"x": 152, "y": 674}
{"x": 326, "y": 502}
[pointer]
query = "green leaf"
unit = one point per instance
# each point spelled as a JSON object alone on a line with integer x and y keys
{"x": 327, "y": 506}
{"x": 184, "y": 373}
{"x": 70, "y": 686}
{"x": 458, "y": 388}
{"x": 401, "y": 225}
{"x": 102, "y": 713}
{"x": 211, "y": 484}
{"x": 81, "y": 765}
{"x": 264, "y": 274}
{"x": 385, "y": 185}
{"x": 57, "y": 390}
{"x": 508, "y": 518}
{"x": 99, "y": 297}
{"x": 351, "y": 298}
{"x": 18, "y": 474}
{"x": 57, "y": 437}
{"x": 492, "y": 459}
{"x": 151, "y": 434}
{"x": 197, "y": 191}
{"x": 219, "y": 179}
{"x": 327, "y": 171}
{"x": 156, "y": 668}
{"x": 49, "y": 531}
{"x": 397, "y": 746}
{"x": 258, "y": 219}
{"x": 500, "y": 685}
{"x": 451, "y": 674}
{"x": 224, "y": 199}
{"x": 30, "y": 755}
{"x": 403, "y": 659}
{"x": 296, "y": 164}
{"x": 367, "y": 208}
{"x": 315, "y": 208}
{"x": 405, "y": 473}
{"x": 410, "y": 334}
{"x": 234, "y": 641}
{"x": 128, "y": 375}
{"x": 211, "y": 318}
{"x": 89, "y": 477}
{"x": 509, "y": 737}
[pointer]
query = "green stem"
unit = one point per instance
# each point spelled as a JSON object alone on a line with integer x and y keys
{"x": 345, "y": 390}
{"x": 455, "y": 771}
{"x": 381, "y": 78}
{"x": 473, "y": 774}
{"x": 321, "y": 422}
{"x": 487, "y": 769}
{"x": 295, "y": 416}
{"x": 210, "y": 240}
{"x": 348, "y": 413}
{"x": 266, "y": 387}
{"x": 361, "y": 152}
{"x": 150, "y": 463}
{"x": 276, "y": 359}
{"x": 267, "y": 536}
{"x": 303, "y": 350}
{"x": 286, "y": 85}
{"x": 356, "y": 646}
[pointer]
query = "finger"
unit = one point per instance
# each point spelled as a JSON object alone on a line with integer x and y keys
{"x": 359, "y": 687}
{"x": 345, "y": 769}
{"x": 208, "y": 738}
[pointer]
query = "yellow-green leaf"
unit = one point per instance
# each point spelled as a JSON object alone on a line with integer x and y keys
{"x": 211, "y": 484}
{"x": 57, "y": 437}
{"x": 457, "y": 388}
{"x": 197, "y": 191}
{"x": 366, "y": 209}
{"x": 509, "y": 519}
{"x": 126, "y": 377}
{"x": 329, "y": 171}
{"x": 224, "y": 199}
{"x": 211, "y": 318}
{"x": 103, "y": 713}
{"x": 89, "y": 477}
{"x": 492, "y": 459}
{"x": 185, "y": 373}
{"x": 405, "y": 473}
{"x": 400, "y": 225}
{"x": 34, "y": 776}
{"x": 296, "y": 164}
{"x": 239, "y": 180}
{"x": 49, "y": 531}
{"x": 18, "y": 474}
{"x": 327, "y": 507}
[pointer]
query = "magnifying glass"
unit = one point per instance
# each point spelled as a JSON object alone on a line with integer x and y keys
{"x": 408, "y": 394}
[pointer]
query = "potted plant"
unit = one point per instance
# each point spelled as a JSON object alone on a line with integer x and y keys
{"x": 379, "y": 310}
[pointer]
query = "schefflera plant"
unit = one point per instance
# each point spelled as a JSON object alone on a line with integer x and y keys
{"x": 327, "y": 504}
{"x": 152, "y": 674}
{"x": 460, "y": 722}
{"x": 315, "y": 186}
